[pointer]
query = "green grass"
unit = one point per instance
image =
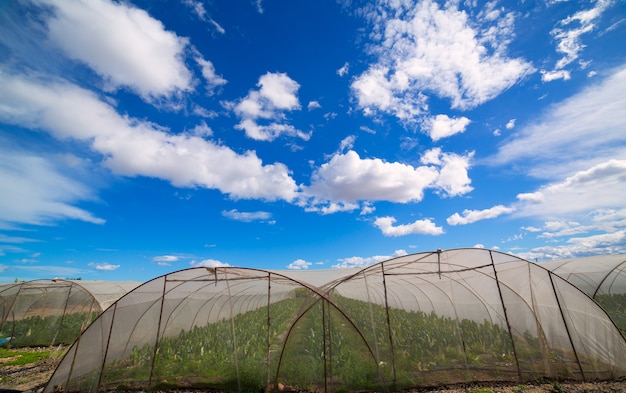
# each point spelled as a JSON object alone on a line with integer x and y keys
{"x": 21, "y": 358}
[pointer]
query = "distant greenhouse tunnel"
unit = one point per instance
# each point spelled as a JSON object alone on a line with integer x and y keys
{"x": 602, "y": 277}
{"x": 52, "y": 312}
{"x": 424, "y": 319}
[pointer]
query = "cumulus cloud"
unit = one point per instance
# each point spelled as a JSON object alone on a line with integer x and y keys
{"x": 234, "y": 214}
{"x": 366, "y": 261}
{"x": 347, "y": 178}
{"x": 442, "y": 126}
{"x": 471, "y": 216}
{"x": 421, "y": 227}
{"x": 106, "y": 266}
{"x": 510, "y": 124}
{"x": 299, "y": 264}
{"x": 426, "y": 48}
{"x": 275, "y": 96}
{"x": 131, "y": 147}
{"x": 34, "y": 190}
{"x": 208, "y": 263}
{"x": 582, "y": 131}
{"x": 123, "y": 44}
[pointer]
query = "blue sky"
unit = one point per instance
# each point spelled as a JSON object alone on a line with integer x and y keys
{"x": 142, "y": 137}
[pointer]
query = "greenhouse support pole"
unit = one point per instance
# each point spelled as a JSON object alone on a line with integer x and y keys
{"x": 232, "y": 328}
{"x": 325, "y": 345}
{"x": 106, "y": 351}
{"x": 506, "y": 316}
{"x": 269, "y": 336}
{"x": 569, "y": 336}
{"x": 156, "y": 342}
{"x": 67, "y": 300}
{"x": 389, "y": 332}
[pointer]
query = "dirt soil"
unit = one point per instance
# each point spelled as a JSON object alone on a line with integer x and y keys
{"x": 33, "y": 378}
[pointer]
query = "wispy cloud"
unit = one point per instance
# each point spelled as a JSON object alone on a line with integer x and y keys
{"x": 366, "y": 261}
{"x": 568, "y": 35}
{"x": 106, "y": 266}
{"x": 471, "y": 216}
{"x": 582, "y": 131}
{"x": 261, "y": 216}
{"x": 34, "y": 190}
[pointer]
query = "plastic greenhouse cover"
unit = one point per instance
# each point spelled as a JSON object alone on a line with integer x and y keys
{"x": 423, "y": 319}
{"x": 50, "y": 312}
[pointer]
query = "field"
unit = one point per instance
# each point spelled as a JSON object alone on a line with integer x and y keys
{"x": 26, "y": 370}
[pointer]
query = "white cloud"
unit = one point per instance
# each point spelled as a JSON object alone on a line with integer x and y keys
{"x": 347, "y": 143}
{"x": 208, "y": 263}
{"x": 200, "y": 11}
{"x": 123, "y": 44}
{"x": 347, "y": 178}
{"x": 599, "y": 187}
{"x": 452, "y": 178}
{"x": 442, "y": 126}
{"x": 299, "y": 264}
{"x": 510, "y": 124}
{"x": 213, "y": 80}
{"x": 421, "y": 227}
{"x": 425, "y": 48}
{"x": 202, "y": 130}
{"x": 234, "y": 214}
{"x": 568, "y": 38}
{"x": 33, "y": 190}
{"x": 131, "y": 147}
{"x": 343, "y": 70}
{"x": 276, "y": 94}
{"x": 549, "y": 76}
{"x": 105, "y": 266}
{"x": 313, "y": 105}
{"x": 582, "y": 131}
{"x": 471, "y": 216}
{"x": 165, "y": 260}
{"x": 361, "y": 261}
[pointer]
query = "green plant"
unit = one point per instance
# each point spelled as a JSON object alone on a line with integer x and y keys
{"x": 557, "y": 388}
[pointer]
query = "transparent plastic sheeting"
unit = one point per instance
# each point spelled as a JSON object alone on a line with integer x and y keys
{"x": 51, "y": 312}
{"x": 418, "y": 320}
{"x": 602, "y": 277}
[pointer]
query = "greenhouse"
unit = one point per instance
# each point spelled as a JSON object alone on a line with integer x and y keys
{"x": 602, "y": 277}
{"x": 52, "y": 312}
{"x": 424, "y": 319}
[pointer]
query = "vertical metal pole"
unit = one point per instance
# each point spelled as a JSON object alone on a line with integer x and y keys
{"x": 156, "y": 342}
{"x": 232, "y": 328}
{"x": 506, "y": 317}
{"x": 324, "y": 344}
{"x": 106, "y": 350}
{"x": 393, "y": 353}
{"x": 269, "y": 336}
{"x": 569, "y": 336}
